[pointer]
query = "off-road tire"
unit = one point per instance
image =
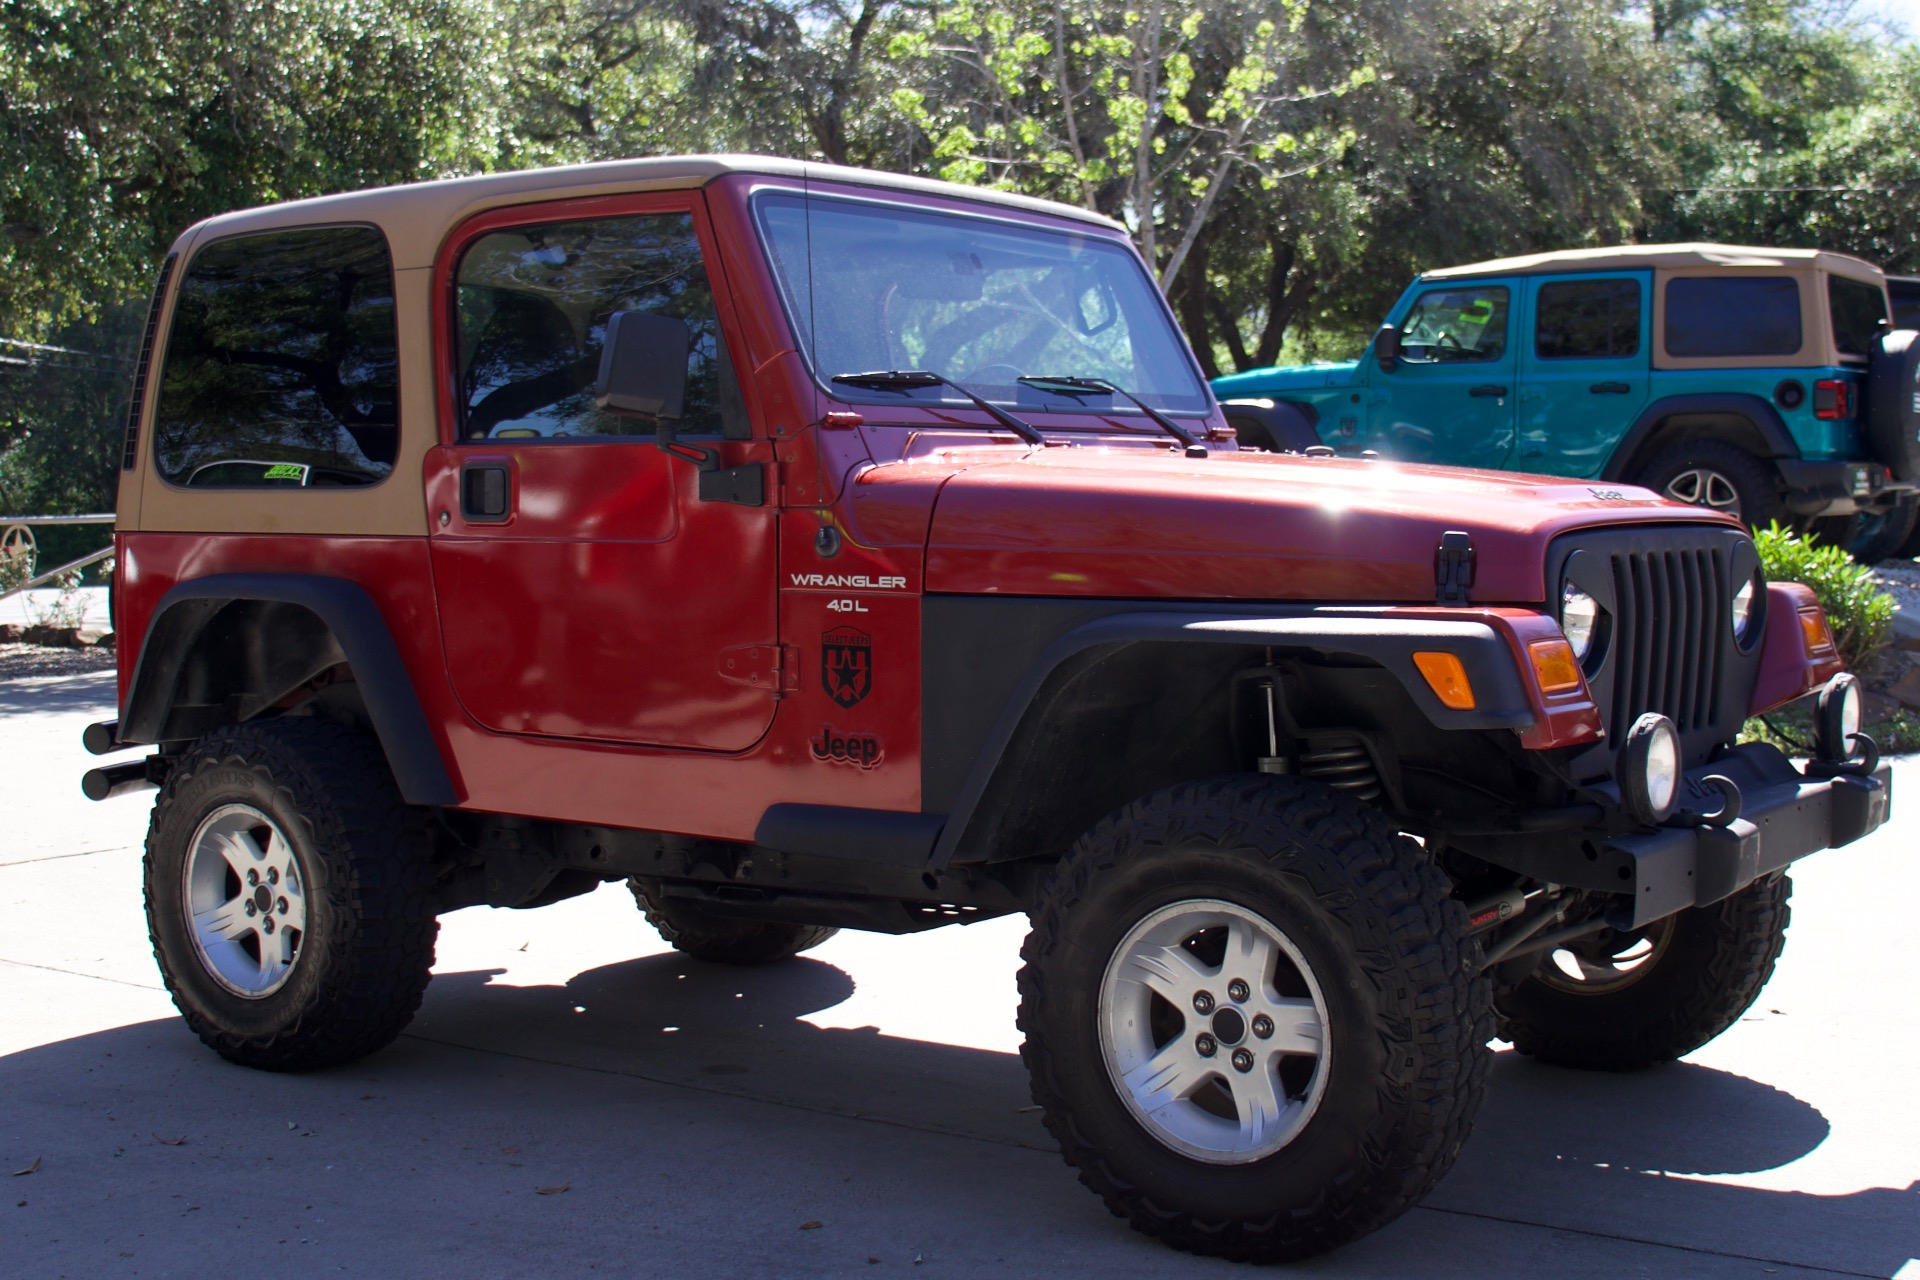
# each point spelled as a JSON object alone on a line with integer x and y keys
{"x": 722, "y": 939}
{"x": 1751, "y": 478}
{"x": 367, "y": 951}
{"x": 1710, "y": 971}
{"x": 1409, "y": 1014}
{"x": 1885, "y": 535}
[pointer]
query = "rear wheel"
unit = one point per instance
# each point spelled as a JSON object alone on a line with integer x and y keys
{"x": 722, "y": 939}
{"x": 1885, "y": 535}
{"x": 1719, "y": 476}
{"x": 1623, "y": 1001}
{"x": 289, "y": 895}
{"x": 1251, "y": 1018}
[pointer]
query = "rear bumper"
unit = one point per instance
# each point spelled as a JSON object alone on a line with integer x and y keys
{"x": 1822, "y": 488}
{"x": 1784, "y": 815}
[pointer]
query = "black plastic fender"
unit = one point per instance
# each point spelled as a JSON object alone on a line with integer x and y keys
{"x": 363, "y": 638}
{"x": 1765, "y": 419}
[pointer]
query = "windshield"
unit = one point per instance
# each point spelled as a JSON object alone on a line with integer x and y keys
{"x": 979, "y": 302}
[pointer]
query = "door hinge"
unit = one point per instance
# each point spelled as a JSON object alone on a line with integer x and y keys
{"x": 774, "y": 667}
{"x": 1453, "y": 567}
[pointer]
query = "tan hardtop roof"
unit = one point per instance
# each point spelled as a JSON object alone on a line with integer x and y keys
{"x": 417, "y": 216}
{"x": 1622, "y": 257}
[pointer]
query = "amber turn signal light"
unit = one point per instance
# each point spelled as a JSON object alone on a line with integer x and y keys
{"x": 1448, "y": 679}
{"x": 1816, "y": 632}
{"x": 1554, "y": 666}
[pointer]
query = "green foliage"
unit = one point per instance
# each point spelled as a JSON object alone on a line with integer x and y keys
{"x": 1857, "y": 609}
{"x": 1285, "y": 165}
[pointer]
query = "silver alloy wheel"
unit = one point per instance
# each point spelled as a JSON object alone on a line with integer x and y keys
{"x": 245, "y": 901}
{"x": 1705, "y": 487}
{"x": 1214, "y": 1031}
{"x": 1606, "y": 962}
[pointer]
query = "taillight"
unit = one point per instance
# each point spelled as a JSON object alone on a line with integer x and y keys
{"x": 1832, "y": 399}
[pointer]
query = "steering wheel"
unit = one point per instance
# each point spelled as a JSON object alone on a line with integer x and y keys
{"x": 1445, "y": 339}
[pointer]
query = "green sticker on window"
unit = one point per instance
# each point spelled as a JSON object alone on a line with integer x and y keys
{"x": 286, "y": 471}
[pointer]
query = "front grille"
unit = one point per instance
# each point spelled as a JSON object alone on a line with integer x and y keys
{"x": 1672, "y": 633}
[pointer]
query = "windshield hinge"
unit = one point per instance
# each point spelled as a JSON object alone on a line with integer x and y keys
{"x": 1453, "y": 567}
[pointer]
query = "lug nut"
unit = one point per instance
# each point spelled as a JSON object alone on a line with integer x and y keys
{"x": 1263, "y": 1026}
{"x": 1242, "y": 1060}
{"x": 283, "y": 906}
{"x": 268, "y": 926}
{"x": 253, "y": 878}
{"x": 251, "y": 909}
{"x": 273, "y": 875}
{"x": 1237, "y": 991}
{"x": 1206, "y": 1045}
{"x": 1202, "y": 1002}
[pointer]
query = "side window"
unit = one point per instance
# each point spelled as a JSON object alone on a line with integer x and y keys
{"x": 1859, "y": 314}
{"x": 1455, "y": 325}
{"x": 1733, "y": 316}
{"x": 1587, "y": 320}
{"x": 533, "y": 309}
{"x": 282, "y": 364}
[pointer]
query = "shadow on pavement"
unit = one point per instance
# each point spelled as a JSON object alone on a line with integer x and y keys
{"x": 426, "y": 1127}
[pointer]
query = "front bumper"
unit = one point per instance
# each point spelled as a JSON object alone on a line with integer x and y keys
{"x": 1821, "y": 488}
{"x": 1784, "y": 815}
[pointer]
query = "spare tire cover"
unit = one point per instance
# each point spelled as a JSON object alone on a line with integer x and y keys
{"x": 1893, "y": 402}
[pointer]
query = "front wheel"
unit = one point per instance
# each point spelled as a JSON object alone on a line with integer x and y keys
{"x": 1622, "y": 1001}
{"x": 1251, "y": 1017}
{"x": 289, "y": 895}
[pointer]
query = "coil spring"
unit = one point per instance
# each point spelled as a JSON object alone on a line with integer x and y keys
{"x": 1344, "y": 765}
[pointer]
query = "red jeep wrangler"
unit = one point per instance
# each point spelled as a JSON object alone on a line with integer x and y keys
{"x": 813, "y": 549}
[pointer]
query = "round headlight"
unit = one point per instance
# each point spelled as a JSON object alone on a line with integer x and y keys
{"x": 1579, "y": 618}
{"x": 1650, "y": 768}
{"x": 1837, "y": 718}
{"x": 1743, "y": 607}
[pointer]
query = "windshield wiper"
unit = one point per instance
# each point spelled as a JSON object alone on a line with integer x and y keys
{"x": 906, "y": 380}
{"x": 1077, "y": 387}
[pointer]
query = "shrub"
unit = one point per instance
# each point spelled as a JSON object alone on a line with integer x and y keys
{"x": 1858, "y": 610}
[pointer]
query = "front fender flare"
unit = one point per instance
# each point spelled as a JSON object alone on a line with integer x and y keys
{"x": 1502, "y": 701}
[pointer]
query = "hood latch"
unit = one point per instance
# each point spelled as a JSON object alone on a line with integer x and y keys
{"x": 1453, "y": 567}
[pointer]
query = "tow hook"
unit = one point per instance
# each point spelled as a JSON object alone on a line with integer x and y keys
{"x": 1730, "y": 805}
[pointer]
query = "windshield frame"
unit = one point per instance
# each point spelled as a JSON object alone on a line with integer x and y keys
{"x": 1072, "y": 415}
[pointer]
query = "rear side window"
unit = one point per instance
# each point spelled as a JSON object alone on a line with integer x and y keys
{"x": 533, "y": 309}
{"x": 1733, "y": 316}
{"x": 282, "y": 367}
{"x": 1859, "y": 314}
{"x": 1588, "y": 319}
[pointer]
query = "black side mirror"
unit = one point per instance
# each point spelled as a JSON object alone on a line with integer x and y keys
{"x": 643, "y": 365}
{"x": 1386, "y": 347}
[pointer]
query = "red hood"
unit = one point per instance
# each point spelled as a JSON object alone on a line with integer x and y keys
{"x": 1134, "y": 523}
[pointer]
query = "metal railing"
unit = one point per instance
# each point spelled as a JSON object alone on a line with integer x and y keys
{"x": 18, "y": 535}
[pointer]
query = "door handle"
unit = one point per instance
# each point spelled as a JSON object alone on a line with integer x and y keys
{"x": 486, "y": 492}
{"x": 1609, "y": 388}
{"x": 1487, "y": 391}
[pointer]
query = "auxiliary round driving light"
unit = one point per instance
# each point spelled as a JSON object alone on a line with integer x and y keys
{"x": 1650, "y": 769}
{"x": 1837, "y": 719}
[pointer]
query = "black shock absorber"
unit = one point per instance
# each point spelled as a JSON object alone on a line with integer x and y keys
{"x": 1342, "y": 763}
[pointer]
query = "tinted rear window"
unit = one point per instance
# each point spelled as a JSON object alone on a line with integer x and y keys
{"x": 282, "y": 364}
{"x": 1733, "y": 316}
{"x": 1585, "y": 319}
{"x": 1859, "y": 313}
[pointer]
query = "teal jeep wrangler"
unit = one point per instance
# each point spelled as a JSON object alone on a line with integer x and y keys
{"x": 1769, "y": 383}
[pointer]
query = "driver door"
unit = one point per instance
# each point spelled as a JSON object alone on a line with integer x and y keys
{"x": 585, "y": 589}
{"x": 1449, "y": 398}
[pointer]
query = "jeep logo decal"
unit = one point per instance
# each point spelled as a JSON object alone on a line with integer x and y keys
{"x": 846, "y": 665}
{"x": 836, "y": 746}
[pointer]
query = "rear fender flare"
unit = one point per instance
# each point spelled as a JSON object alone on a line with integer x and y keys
{"x": 1766, "y": 421}
{"x": 357, "y": 627}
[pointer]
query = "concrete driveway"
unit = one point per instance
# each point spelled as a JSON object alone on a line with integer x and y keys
{"x": 575, "y": 1098}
